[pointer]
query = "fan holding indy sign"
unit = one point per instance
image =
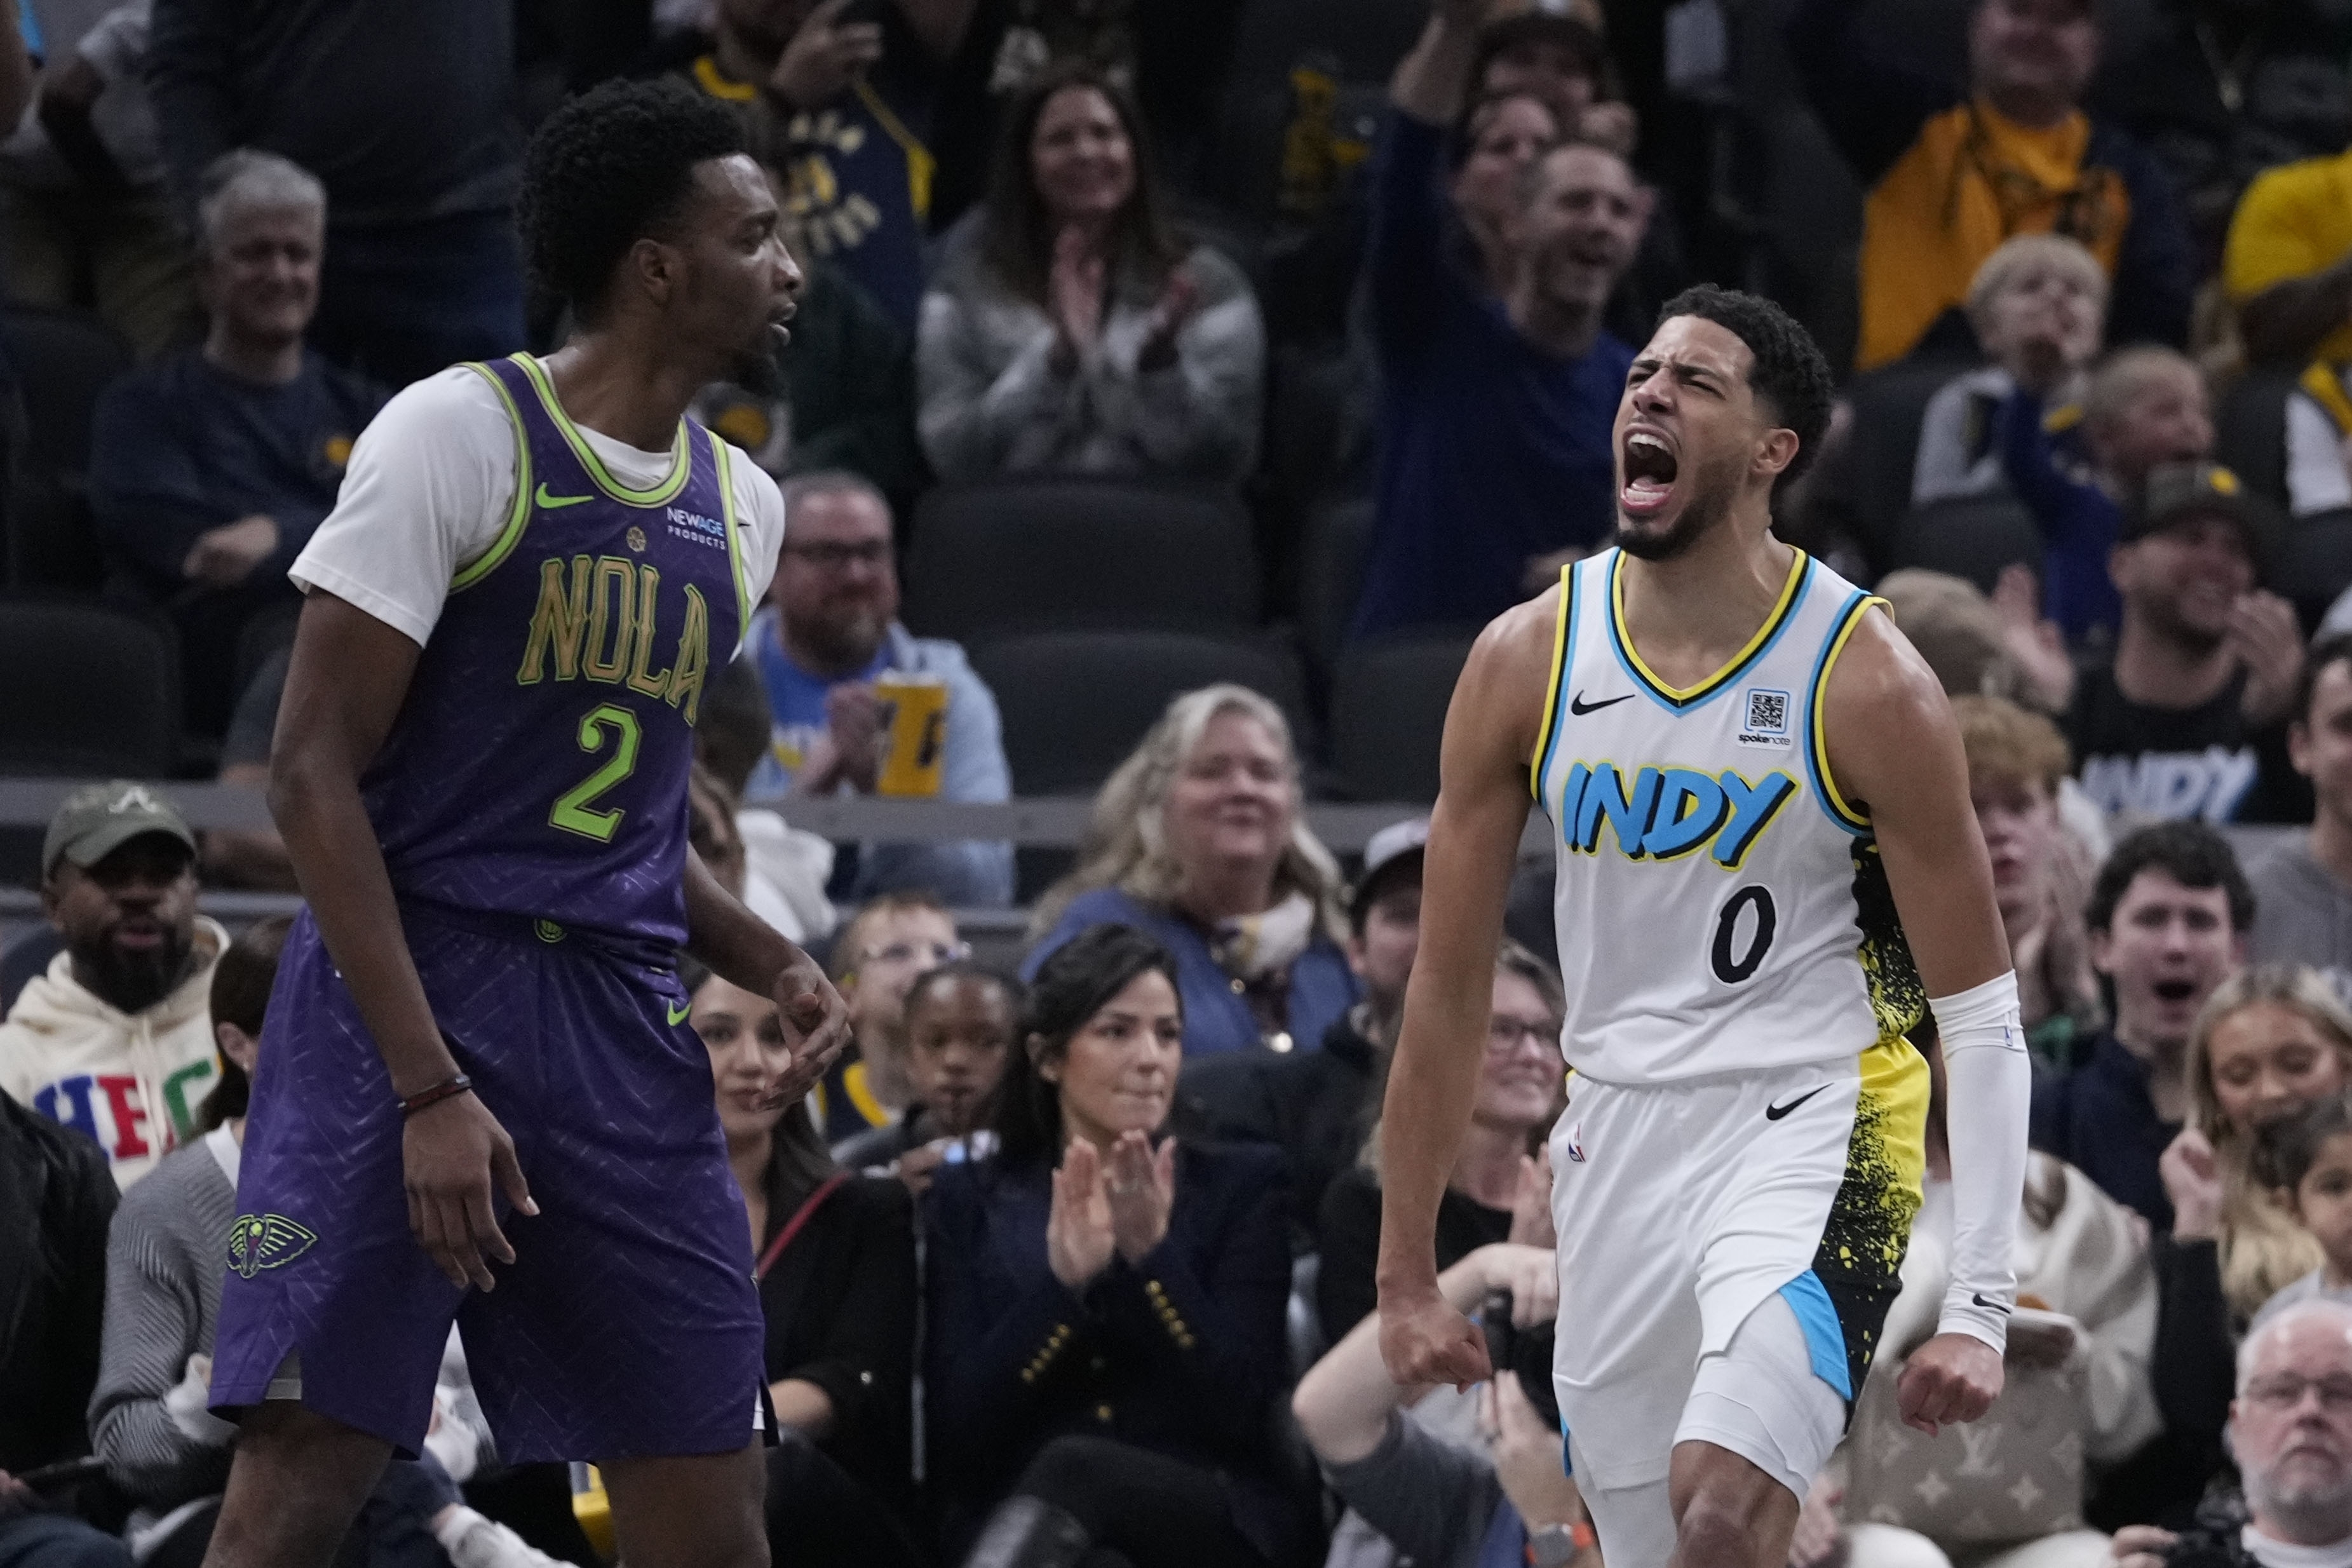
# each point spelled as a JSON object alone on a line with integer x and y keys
{"x": 1768, "y": 873}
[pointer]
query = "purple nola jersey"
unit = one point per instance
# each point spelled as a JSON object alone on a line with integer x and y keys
{"x": 539, "y": 766}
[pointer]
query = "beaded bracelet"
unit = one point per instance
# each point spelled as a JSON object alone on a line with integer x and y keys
{"x": 447, "y": 1089}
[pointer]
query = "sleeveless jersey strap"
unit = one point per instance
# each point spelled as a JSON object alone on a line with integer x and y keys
{"x": 1562, "y": 634}
{"x": 500, "y": 375}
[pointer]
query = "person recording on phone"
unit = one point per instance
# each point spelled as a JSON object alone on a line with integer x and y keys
{"x": 861, "y": 706}
{"x": 1442, "y": 1506}
{"x": 2291, "y": 1431}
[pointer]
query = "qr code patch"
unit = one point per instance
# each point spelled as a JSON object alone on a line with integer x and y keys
{"x": 1767, "y": 711}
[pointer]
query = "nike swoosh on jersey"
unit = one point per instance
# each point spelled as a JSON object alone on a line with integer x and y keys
{"x": 2000, "y": 1307}
{"x": 1579, "y": 707}
{"x": 676, "y": 1013}
{"x": 549, "y": 504}
{"x": 1774, "y": 1112}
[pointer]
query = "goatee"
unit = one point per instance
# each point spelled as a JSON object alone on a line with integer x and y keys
{"x": 1706, "y": 509}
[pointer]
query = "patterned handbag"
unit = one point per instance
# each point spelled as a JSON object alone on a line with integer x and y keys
{"x": 2014, "y": 1475}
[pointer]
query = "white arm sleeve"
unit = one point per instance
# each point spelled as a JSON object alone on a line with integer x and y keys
{"x": 1989, "y": 1087}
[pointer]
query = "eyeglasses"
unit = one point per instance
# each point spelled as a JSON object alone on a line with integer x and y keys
{"x": 2283, "y": 1393}
{"x": 1503, "y": 1034}
{"x": 830, "y": 557}
{"x": 930, "y": 952}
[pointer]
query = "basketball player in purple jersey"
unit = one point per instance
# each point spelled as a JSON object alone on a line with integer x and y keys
{"x": 480, "y": 1099}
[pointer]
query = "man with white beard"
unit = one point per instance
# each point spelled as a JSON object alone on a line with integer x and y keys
{"x": 2291, "y": 1427}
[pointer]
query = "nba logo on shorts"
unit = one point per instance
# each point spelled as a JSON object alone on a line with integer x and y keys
{"x": 1767, "y": 722}
{"x": 1576, "y": 1141}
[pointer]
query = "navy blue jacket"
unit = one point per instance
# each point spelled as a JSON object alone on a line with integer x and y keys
{"x": 1179, "y": 1354}
{"x": 2100, "y": 1119}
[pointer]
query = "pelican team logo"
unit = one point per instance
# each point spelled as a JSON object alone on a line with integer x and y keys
{"x": 260, "y": 1241}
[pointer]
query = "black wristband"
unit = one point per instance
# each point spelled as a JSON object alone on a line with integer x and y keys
{"x": 447, "y": 1089}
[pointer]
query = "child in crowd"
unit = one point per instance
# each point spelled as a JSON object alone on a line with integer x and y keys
{"x": 959, "y": 1025}
{"x": 876, "y": 958}
{"x": 2038, "y": 304}
{"x": 2309, "y": 1160}
{"x": 2145, "y": 408}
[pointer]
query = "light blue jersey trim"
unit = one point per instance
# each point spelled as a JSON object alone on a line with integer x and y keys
{"x": 1824, "y": 1335}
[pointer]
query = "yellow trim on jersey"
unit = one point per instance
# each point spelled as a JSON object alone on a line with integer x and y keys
{"x": 921, "y": 165}
{"x": 735, "y": 563}
{"x": 1551, "y": 691}
{"x": 681, "y": 459}
{"x": 854, "y": 1085}
{"x": 519, "y": 514}
{"x": 1820, "y": 739}
{"x": 1683, "y": 695}
{"x": 718, "y": 84}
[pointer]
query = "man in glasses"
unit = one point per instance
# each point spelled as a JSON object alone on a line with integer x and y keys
{"x": 829, "y": 646}
{"x": 2291, "y": 1430}
{"x": 875, "y": 960}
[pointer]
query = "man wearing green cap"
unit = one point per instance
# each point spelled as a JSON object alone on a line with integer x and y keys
{"x": 116, "y": 1039}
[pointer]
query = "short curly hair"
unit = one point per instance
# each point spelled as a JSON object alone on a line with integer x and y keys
{"x": 1790, "y": 372}
{"x": 605, "y": 170}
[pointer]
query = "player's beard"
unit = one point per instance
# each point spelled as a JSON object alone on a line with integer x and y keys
{"x": 1709, "y": 503}
{"x": 759, "y": 365}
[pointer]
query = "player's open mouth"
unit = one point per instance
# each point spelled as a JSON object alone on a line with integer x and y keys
{"x": 1649, "y": 465}
{"x": 2174, "y": 990}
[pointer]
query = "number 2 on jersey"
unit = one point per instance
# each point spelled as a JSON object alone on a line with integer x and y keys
{"x": 572, "y": 811}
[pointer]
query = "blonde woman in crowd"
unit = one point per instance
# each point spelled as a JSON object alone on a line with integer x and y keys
{"x": 1198, "y": 841}
{"x": 2271, "y": 1041}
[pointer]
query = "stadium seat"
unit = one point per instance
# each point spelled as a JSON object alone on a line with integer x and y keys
{"x": 2250, "y": 431}
{"x": 1075, "y": 704}
{"x": 2314, "y": 564}
{"x": 96, "y": 691}
{"x": 1888, "y": 406}
{"x": 1388, "y": 713}
{"x": 1972, "y": 537}
{"x": 1021, "y": 556}
{"x": 1338, "y": 538}
{"x": 62, "y": 359}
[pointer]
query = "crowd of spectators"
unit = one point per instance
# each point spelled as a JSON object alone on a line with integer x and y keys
{"x": 1070, "y": 1263}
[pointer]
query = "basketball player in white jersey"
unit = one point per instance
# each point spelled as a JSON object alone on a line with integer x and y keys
{"x": 1750, "y": 775}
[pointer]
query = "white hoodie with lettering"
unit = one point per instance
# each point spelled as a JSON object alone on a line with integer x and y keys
{"x": 131, "y": 1081}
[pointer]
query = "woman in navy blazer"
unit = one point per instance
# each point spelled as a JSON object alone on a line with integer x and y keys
{"x": 1106, "y": 1309}
{"x": 1198, "y": 840}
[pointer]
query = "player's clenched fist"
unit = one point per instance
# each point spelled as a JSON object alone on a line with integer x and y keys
{"x": 816, "y": 1028}
{"x": 1424, "y": 1339}
{"x": 1952, "y": 1377}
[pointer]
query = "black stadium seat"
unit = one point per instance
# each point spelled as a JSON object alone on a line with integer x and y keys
{"x": 2314, "y": 563}
{"x": 1021, "y": 555}
{"x": 2250, "y": 431}
{"x": 1388, "y": 713}
{"x": 1338, "y": 538}
{"x": 96, "y": 691}
{"x": 62, "y": 359}
{"x": 1888, "y": 404}
{"x": 1972, "y": 537}
{"x": 1075, "y": 703}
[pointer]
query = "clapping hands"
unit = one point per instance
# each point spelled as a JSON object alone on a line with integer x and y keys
{"x": 1110, "y": 1204}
